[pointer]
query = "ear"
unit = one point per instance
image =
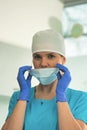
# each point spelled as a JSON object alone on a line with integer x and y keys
{"x": 63, "y": 60}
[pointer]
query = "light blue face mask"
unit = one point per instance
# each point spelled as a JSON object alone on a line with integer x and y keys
{"x": 45, "y": 76}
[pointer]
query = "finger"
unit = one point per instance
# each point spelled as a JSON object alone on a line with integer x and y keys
{"x": 24, "y": 68}
{"x": 59, "y": 75}
{"x": 62, "y": 68}
{"x": 29, "y": 77}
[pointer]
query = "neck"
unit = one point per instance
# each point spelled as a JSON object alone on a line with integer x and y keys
{"x": 47, "y": 91}
{"x": 46, "y": 88}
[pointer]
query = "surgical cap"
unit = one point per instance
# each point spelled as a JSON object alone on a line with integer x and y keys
{"x": 48, "y": 40}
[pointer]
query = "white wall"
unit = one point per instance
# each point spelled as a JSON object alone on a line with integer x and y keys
{"x": 3, "y": 109}
{"x": 78, "y": 69}
{"x": 12, "y": 58}
{"x": 19, "y": 19}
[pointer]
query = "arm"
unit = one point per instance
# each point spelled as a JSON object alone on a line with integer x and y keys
{"x": 16, "y": 120}
{"x": 66, "y": 119}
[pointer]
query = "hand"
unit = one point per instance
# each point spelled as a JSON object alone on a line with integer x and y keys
{"x": 24, "y": 84}
{"x": 63, "y": 82}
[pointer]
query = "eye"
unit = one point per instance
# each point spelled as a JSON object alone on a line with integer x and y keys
{"x": 51, "y": 56}
{"x": 36, "y": 56}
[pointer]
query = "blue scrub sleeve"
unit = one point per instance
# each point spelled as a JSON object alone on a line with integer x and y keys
{"x": 80, "y": 110}
{"x": 12, "y": 103}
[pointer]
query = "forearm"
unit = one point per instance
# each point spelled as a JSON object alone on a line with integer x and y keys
{"x": 66, "y": 119}
{"x": 16, "y": 120}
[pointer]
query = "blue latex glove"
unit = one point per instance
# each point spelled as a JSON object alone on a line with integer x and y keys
{"x": 24, "y": 84}
{"x": 63, "y": 82}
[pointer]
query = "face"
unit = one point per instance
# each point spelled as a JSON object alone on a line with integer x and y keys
{"x": 47, "y": 59}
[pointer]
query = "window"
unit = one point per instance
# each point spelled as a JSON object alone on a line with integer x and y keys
{"x": 77, "y": 45}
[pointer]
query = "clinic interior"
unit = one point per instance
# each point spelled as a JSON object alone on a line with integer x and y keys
{"x": 19, "y": 20}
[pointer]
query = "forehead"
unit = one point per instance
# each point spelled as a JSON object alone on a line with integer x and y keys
{"x": 45, "y": 53}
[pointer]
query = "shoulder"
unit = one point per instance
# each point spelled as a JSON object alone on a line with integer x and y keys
{"x": 16, "y": 94}
{"x": 78, "y": 104}
{"x": 77, "y": 93}
{"x": 76, "y": 97}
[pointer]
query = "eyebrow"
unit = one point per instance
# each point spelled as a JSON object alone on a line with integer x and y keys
{"x": 47, "y": 53}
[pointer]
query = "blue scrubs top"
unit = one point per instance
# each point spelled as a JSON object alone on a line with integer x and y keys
{"x": 43, "y": 114}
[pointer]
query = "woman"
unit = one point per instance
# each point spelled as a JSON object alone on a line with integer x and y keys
{"x": 50, "y": 105}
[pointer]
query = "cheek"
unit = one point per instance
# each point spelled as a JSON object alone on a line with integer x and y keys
{"x": 58, "y": 61}
{"x": 35, "y": 64}
{"x": 61, "y": 60}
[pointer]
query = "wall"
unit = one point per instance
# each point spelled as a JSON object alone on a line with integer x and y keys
{"x": 4, "y": 100}
{"x": 19, "y": 19}
{"x": 78, "y": 68}
{"x": 12, "y": 58}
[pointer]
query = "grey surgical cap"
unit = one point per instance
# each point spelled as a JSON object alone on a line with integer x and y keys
{"x": 48, "y": 40}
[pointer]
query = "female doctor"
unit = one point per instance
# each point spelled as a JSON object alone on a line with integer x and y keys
{"x": 50, "y": 105}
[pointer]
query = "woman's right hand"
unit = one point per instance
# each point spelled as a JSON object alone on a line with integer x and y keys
{"x": 24, "y": 84}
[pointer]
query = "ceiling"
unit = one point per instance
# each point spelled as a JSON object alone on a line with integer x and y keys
{"x": 73, "y": 2}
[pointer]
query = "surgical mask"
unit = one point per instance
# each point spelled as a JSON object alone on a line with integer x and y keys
{"x": 46, "y": 75}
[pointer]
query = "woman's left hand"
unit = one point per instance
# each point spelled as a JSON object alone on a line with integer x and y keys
{"x": 63, "y": 82}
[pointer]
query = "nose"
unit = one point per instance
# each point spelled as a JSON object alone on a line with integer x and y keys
{"x": 44, "y": 63}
